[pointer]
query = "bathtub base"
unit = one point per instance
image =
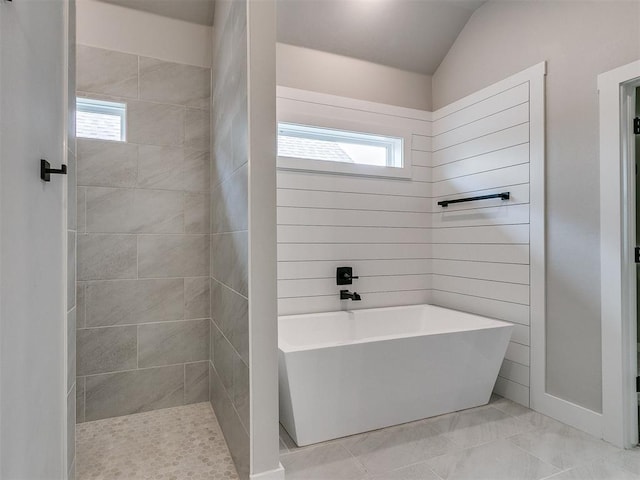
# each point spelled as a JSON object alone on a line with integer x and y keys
{"x": 343, "y": 390}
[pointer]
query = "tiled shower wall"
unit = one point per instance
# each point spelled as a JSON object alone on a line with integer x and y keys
{"x": 229, "y": 374}
{"x": 143, "y": 239}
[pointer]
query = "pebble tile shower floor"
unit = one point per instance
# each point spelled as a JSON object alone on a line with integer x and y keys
{"x": 171, "y": 444}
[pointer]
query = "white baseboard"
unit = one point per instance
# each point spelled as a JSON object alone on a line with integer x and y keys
{"x": 277, "y": 474}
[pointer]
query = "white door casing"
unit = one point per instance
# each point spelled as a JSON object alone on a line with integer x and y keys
{"x": 618, "y": 275}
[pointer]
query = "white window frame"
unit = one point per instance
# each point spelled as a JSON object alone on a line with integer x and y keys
{"x": 90, "y": 105}
{"x": 299, "y": 107}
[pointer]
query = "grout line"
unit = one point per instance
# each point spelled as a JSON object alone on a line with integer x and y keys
{"x": 141, "y": 369}
{"x": 127, "y": 325}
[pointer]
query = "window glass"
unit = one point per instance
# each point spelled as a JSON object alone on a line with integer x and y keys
{"x": 316, "y": 143}
{"x": 100, "y": 119}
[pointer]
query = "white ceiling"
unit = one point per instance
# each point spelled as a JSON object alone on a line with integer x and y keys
{"x": 195, "y": 11}
{"x": 412, "y": 35}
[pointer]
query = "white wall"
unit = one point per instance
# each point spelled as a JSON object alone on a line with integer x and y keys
{"x": 112, "y": 27}
{"x": 307, "y": 69}
{"x": 579, "y": 40}
{"x": 480, "y": 250}
{"x": 406, "y": 248}
{"x": 33, "y": 240}
{"x": 378, "y": 226}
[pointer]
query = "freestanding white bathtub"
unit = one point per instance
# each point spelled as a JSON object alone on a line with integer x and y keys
{"x": 348, "y": 372}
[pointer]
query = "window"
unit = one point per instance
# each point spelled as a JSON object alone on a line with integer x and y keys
{"x": 100, "y": 119}
{"x": 330, "y": 145}
{"x": 342, "y": 136}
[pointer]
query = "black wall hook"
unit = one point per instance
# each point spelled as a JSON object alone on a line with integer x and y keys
{"x": 46, "y": 170}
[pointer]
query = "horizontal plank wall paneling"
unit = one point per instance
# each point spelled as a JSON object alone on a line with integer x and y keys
{"x": 379, "y": 226}
{"x": 407, "y": 249}
{"x": 480, "y": 250}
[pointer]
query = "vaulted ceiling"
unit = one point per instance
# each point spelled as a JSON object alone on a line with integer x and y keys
{"x": 412, "y": 35}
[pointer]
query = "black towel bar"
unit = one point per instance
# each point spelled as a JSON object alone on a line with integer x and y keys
{"x": 503, "y": 196}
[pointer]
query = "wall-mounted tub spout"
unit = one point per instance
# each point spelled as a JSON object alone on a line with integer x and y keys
{"x": 347, "y": 295}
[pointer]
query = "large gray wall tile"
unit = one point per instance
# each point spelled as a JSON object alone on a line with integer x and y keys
{"x": 123, "y": 393}
{"x": 196, "y": 382}
{"x": 72, "y": 190}
{"x": 196, "y": 297}
{"x": 155, "y": 123}
{"x": 196, "y": 213}
{"x": 118, "y": 210}
{"x": 177, "y": 83}
{"x": 71, "y": 427}
{"x": 223, "y": 358}
{"x": 71, "y": 269}
{"x": 71, "y": 348}
{"x": 197, "y": 130}
{"x": 173, "y": 256}
{"x": 241, "y": 390}
{"x": 106, "y": 164}
{"x": 229, "y": 203}
{"x": 230, "y": 311}
{"x": 102, "y": 257}
{"x": 197, "y": 166}
{"x": 80, "y": 304}
{"x": 222, "y": 164}
{"x": 240, "y": 134}
{"x": 161, "y": 167}
{"x": 80, "y": 399}
{"x": 234, "y": 433}
{"x": 107, "y": 349}
{"x": 81, "y": 211}
{"x": 106, "y": 72}
{"x": 121, "y": 302}
{"x": 173, "y": 342}
{"x": 229, "y": 260}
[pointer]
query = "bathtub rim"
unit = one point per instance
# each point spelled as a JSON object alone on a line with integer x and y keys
{"x": 285, "y": 348}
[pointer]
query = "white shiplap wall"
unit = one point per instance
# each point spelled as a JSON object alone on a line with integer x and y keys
{"x": 473, "y": 257}
{"x": 480, "y": 250}
{"x": 379, "y": 226}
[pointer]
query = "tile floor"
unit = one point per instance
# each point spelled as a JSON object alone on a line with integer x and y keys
{"x": 500, "y": 441}
{"x": 171, "y": 444}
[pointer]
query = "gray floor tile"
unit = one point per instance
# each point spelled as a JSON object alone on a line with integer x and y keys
{"x": 326, "y": 462}
{"x": 600, "y": 470}
{"x": 627, "y": 459}
{"x": 476, "y": 426}
{"x": 563, "y": 446}
{"x": 498, "y": 460}
{"x": 419, "y": 471}
{"x": 391, "y": 448}
{"x": 522, "y": 413}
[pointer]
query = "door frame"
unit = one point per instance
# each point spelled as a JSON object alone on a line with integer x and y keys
{"x": 617, "y": 266}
